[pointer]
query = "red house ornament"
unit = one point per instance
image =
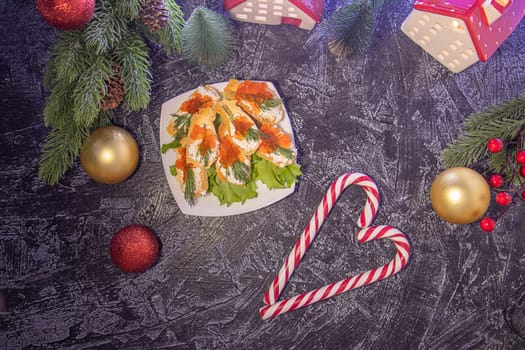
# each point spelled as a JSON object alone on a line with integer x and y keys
{"x": 301, "y": 13}
{"x": 459, "y": 33}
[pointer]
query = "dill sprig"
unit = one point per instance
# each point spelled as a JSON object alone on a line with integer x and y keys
{"x": 285, "y": 152}
{"x": 189, "y": 187}
{"x": 241, "y": 171}
{"x": 253, "y": 134}
{"x": 271, "y": 103}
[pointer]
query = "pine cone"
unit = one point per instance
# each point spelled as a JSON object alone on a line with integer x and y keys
{"x": 115, "y": 92}
{"x": 154, "y": 15}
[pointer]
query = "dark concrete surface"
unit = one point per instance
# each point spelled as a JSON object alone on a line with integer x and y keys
{"x": 387, "y": 113}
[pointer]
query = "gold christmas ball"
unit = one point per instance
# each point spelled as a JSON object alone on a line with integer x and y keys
{"x": 109, "y": 155}
{"x": 460, "y": 195}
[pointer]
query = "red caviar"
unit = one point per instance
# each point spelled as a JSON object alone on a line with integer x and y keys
{"x": 274, "y": 138}
{"x": 229, "y": 153}
{"x": 241, "y": 127}
{"x": 209, "y": 140}
{"x": 195, "y": 103}
{"x": 257, "y": 92}
{"x": 181, "y": 164}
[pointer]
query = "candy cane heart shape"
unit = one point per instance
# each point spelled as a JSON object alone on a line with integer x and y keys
{"x": 337, "y": 187}
{"x": 365, "y": 235}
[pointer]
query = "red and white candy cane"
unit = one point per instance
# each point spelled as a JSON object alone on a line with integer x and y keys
{"x": 365, "y": 235}
{"x": 336, "y": 188}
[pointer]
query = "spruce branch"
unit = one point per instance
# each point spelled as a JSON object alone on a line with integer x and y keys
{"x": 207, "y": 38}
{"x": 170, "y": 37}
{"x": 504, "y": 121}
{"x": 80, "y": 67}
{"x": 59, "y": 107}
{"x": 133, "y": 57}
{"x": 105, "y": 29}
{"x": 90, "y": 89}
{"x": 61, "y": 148}
{"x": 68, "y": 58}
{"x": 128, "y": 9}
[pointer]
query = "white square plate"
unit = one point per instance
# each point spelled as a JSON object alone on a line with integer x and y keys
{"x": 209, "y": 205}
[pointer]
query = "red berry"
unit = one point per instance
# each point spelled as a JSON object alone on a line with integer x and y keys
{"x": 487, "y": 224}
{"x": 503, "y": 198}
{"x": 496, "y": 181}
{"x": 522, "y": 171}
{"x": 520, "y": 157}
{"x": 495, "y": 145}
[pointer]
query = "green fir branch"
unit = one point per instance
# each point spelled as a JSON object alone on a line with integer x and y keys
{"x": 503, "y": 121}
{"x": 170, "y": 37}
{"x": 89, "y": 91}
{"x": 80, "y": 65}
{"x": 59, "y": 106}
{"x": 128, "y": 9}
{"x": 68, "y": 58}
{"x": 133, "y": 57}
{"x": 207, "y": 38}
{"x": 61, "y": 148}
{"x": 105, "y": 29}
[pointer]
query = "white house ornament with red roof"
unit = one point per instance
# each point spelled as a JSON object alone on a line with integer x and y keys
{"x": 301, "y": 13}
{"x": 459, "y": 33}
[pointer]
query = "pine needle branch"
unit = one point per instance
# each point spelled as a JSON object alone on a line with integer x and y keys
{"x": 170, "y": 37}
{"x": 133, "y": 57}
{"x": 105, "y": 29}
{"x": 58, "y": 108}
{"x": 89, "y": 90}
{"x": 504, "y": 121}
{"x": 67, "y": 54}
{"x": 128, "y": 9}
{"x": 61, "y": 148}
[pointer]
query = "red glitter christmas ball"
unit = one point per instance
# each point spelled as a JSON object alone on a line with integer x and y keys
{"x": 522, "y": 170}
{"x": 134, "y": 248}
{"x": 495, "y": 145}
{"x": 66, "y": 14}
{"x": 487, "y": 224}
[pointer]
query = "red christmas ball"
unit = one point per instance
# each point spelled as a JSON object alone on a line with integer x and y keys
{"x": 522, "y": 171}
{"x": 487, "y": 224}
{"x": 66, "y": 14}
{"x": 134, "y": 248}
{"x": 496, "y": 181}
{"x": 503, "y": 198}
{"x": 495, "y": 145}
{"x": 520, "y": 157}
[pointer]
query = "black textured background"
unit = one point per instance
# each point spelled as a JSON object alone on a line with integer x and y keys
{"x": 388, "y": 113}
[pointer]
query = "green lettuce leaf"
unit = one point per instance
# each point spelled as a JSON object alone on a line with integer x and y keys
{"x": 272, "y": 175}
{"x": 228, "y": 193}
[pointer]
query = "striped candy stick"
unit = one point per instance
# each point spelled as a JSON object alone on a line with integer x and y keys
{"x": 365, "y": 235}
{"x": 337, "y": 187}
